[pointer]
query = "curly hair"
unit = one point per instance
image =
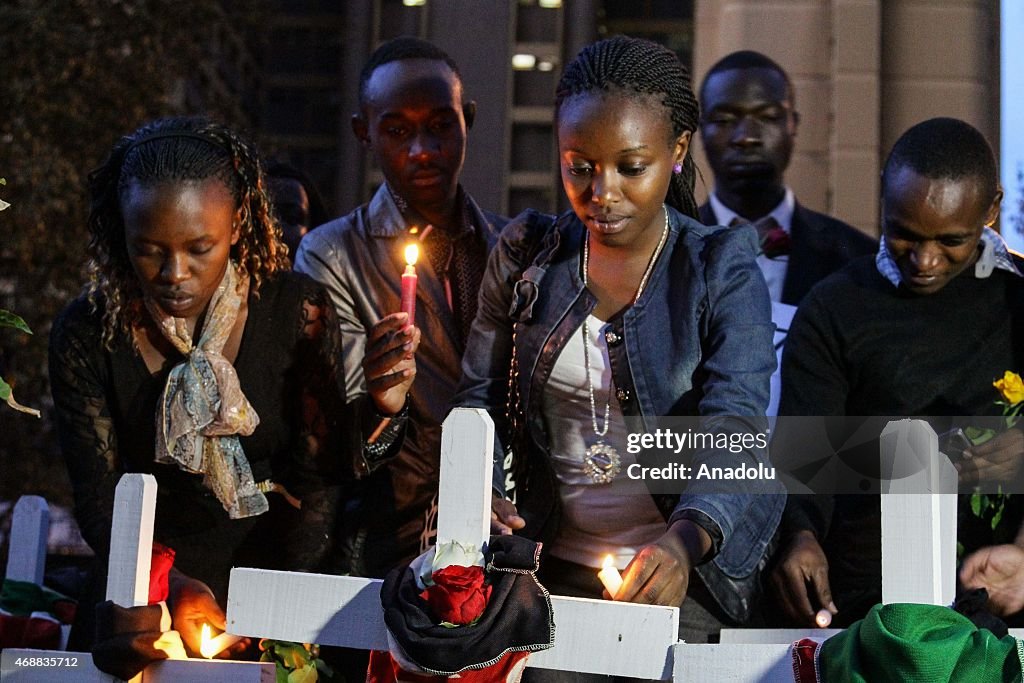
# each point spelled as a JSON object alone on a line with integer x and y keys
{"x": 644, "y": 68}
{"x": 179, "y": 150}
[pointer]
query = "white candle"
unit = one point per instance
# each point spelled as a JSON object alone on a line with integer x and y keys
{"x": 823, "y": 618}
{"x": 211, "y": 647}
{"x": 610, "y": 577}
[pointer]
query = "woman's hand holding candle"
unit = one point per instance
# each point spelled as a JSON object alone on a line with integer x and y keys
{"x": 660, "y": 572}
{"x": 192, "y": 606}
{"x": 389, "y": 364}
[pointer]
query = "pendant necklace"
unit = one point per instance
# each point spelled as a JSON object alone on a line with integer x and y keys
{"x": 602, "y": 462}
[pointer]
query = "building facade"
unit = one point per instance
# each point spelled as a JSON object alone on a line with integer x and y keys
{"x": 864, "y": 71}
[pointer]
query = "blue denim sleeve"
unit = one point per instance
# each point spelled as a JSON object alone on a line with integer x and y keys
{"x": 738, "y": 360}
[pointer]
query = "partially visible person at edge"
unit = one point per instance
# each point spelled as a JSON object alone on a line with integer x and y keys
{"x": 922, "y": 328}
{"x": 296, "y": 202}
{"x": 414, "y": 119}
{"x": 196, "y": 356}
{"x": 627, "y": 306}
{"x": 748, "y": 129}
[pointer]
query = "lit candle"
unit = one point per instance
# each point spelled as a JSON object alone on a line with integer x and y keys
{"x": 823, "y": 618}
{"x": 210, "y": 647}
{"x": 412, "y": 252}
{"x": 609, "y": 575}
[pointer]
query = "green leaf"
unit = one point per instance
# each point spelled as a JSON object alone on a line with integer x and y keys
{"x": 306, "y": 674}
{"x": 5, "y": 390}
{"x": 977, "y": 435}
{"x": 996, "y": 518}
{"x": 8, "y": 319}
{"x": 976, "y": 504}
{"x": 293, "y": 655}
{"x": 282, "y": 673}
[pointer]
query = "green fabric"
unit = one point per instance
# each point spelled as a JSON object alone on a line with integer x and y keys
{"x": 22, "y": 598}
{"x": 926, "y": 643}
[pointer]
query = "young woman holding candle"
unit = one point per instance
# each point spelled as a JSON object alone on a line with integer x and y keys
{"x": 196, "y": 355}
{"x": 628, "y": 307}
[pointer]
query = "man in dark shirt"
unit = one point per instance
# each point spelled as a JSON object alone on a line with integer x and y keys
{"x": 748, "y": 127}
{"x": 921, "y": 329}
{"x": 414, "y": 119}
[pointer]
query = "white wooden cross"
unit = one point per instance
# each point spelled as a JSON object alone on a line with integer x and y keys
{"x": 131, "y": 544}
{"x": 918, "y": 559}
{"x": 593, "y": 636}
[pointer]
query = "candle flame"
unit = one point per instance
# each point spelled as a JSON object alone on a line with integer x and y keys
{"x": 412, "y": 252}
{"x": 204, "y": 645}
{"x": 609, "y": 562}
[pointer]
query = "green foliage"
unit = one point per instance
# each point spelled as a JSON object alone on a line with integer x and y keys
{"x": 989, "y": 509}
{"x": 296, "y": 662}
{"x": 8, "y": 319}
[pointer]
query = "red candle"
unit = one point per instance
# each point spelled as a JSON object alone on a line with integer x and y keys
{"x": 412, "y": 252}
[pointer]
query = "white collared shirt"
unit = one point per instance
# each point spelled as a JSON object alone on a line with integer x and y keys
{"x": 773, "y": 269}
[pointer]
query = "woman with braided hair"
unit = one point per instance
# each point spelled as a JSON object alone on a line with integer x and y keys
{"x": 196, "y": 355}
{"x": 627, "y": 308}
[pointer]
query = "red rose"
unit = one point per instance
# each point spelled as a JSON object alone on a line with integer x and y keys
{"x": 459, "y": 594}
{"x": 775, "y": 243}
{"x": 159, "y": 569}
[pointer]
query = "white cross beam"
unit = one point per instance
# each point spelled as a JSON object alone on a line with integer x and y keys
{"x": 593, "y": 636}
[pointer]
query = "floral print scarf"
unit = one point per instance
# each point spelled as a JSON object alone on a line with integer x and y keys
{"x": 202, "y": 410}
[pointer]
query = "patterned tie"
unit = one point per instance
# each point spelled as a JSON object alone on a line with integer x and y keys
{"x": 460, "y": 257}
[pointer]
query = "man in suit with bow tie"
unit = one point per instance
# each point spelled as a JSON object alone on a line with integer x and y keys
{"x": 748, "y": 127}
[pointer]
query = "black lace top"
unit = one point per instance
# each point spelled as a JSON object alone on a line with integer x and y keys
{"x": 106, "y": 404}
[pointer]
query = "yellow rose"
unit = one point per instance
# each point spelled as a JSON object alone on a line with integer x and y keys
{"x": 1011, "y": 386}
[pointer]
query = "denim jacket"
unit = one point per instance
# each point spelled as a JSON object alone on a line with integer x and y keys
{"x": 697, "y": 342}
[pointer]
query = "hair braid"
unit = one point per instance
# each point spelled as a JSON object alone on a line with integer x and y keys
{"x": 183, "y": 150}
{"x": 644, "y": 68}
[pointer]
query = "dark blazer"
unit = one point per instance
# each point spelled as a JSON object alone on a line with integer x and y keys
{"x": 821, "y": 246}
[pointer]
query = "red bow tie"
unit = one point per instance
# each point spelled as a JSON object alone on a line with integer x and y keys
{"x": 774, "y": 240}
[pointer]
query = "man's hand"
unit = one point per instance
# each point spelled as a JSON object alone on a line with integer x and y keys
{"x": 660, "y": 572}
{"x": 800, "y": 575}
{"x": 389, "y": 365}
{"x": 192, "y": 604}
{"x": 505, "y": 518}
{"x": 999, "y": 569}
{"x": 996, "y": 460}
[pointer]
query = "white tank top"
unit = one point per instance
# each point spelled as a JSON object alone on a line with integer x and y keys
{"x": 618, "y": 518}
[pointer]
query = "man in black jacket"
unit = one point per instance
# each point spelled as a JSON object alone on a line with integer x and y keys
{"x": 923, "y": 329}
{"x": 748, "y": 127}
